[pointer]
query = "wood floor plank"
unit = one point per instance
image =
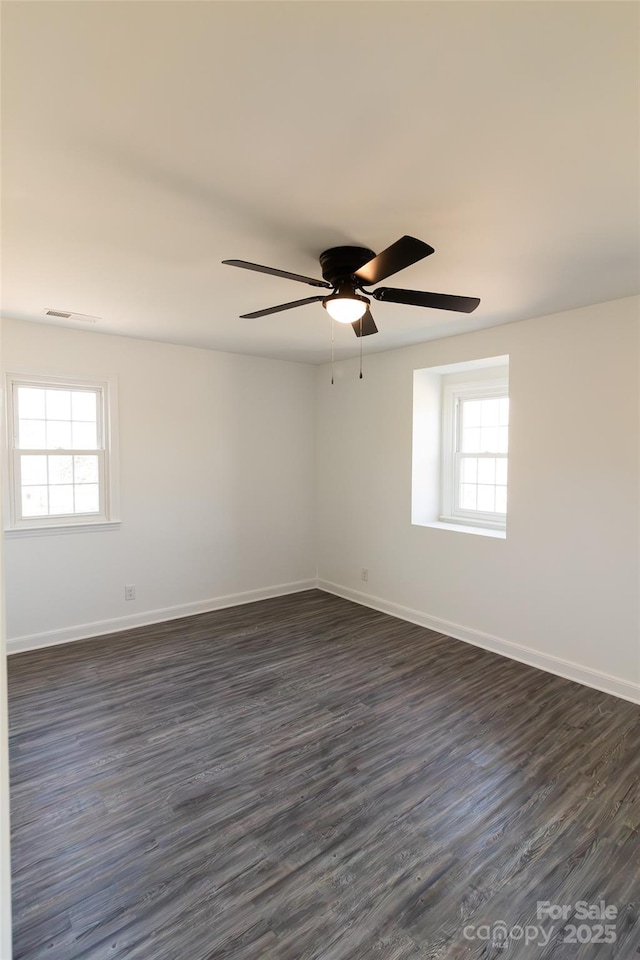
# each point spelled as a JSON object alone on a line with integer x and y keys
{"x": 307, "y": 779}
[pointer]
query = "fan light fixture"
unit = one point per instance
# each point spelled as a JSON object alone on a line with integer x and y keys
{"x": 345, "y": 306}
{"x": 345, "y": 270}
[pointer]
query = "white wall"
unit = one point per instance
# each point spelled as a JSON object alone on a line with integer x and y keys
{"x": 563, "y": 587}
{"x": 217, "y": 486}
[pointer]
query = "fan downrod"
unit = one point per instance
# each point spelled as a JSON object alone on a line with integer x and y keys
{"x": 338, "y": 264}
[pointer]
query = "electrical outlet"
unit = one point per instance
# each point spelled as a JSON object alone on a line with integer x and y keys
{"x": 130, "y": 591}
{"x": 364, "y": 574}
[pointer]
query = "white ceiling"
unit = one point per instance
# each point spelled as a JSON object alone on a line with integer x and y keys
{"x": 143, "y": 143}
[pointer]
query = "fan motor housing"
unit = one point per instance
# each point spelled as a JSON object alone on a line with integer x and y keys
{"x": 340, "y": 263}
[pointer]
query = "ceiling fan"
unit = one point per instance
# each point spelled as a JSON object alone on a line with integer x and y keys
{"x": 347, "y": 269}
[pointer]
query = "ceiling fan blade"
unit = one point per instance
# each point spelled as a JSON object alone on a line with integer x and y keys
{"x": 277, "y": 273}
{"x": 368, "y": 325}
{"x": 419, "y": 298}
{"x": 399, "y": 255}
{"x": 281, "y": 306}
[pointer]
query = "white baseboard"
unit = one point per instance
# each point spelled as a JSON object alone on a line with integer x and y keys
{"x": 533, "y": 658}
{"x": 514, "y": 651}
{"x": 98, "y": 628}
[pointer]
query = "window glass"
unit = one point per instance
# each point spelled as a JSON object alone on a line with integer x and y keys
{"x": 478, "y": 455}
{"x": 50, "y": 478}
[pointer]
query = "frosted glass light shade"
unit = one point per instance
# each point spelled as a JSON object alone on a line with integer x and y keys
{"x": 344, "y": 308}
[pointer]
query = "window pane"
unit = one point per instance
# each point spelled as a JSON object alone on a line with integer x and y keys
{"x": 58, "y": 404}
{"x": 471, "y": 413}
{"x": 469, "y": 469}
{"x": 87, "y": 498}
{"x": 478, "y": 460}
{"x": 61, "y": 499}
{"x": 30, "y": 403}
{"x": 58, "y": 434}
{"x": 85, "y": 469}
{"x": 488, "y": 439}
{"x": 60, "y": 470}
{"x": 486, "y": 498}
{"x": 83, "y": 405}
{"x": 501, "y": 470}
{"x": 501, "y": 499}
{"x": 84, "y": 436}
{"x": 490, "y": 413}
{"x": 470, "y": 440}
{"x": 33, "y": 470}
{"x": 487, "y": 470}
{"x": 59, "y": 441}
{"x": 34, "y": 501}
{"x": 32, "y": 435}
{"x": 468, "y": 496}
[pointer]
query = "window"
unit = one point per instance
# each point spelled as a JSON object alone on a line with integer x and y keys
{"x": 475, "y": 433}
{"x": 60, "y": 464}
{"x": 460, "y": 447}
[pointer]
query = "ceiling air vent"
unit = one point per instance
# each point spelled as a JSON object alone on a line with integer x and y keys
{"x": 63, "y": 315}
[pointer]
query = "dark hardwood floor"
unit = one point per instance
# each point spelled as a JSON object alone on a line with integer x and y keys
{"x": 307, "y": 779}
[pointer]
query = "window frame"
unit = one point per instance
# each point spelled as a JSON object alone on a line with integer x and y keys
{"x": 454, "y": 391}
{"x": 106, "y": 451}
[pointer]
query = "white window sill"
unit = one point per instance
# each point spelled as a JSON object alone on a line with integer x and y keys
{"x": 467, "y": 528}
{"x": 51, "y": 530}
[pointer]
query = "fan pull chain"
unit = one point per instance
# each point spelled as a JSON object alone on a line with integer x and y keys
{"x": 332, "y": 350}
{"x": 360, "y": 348}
